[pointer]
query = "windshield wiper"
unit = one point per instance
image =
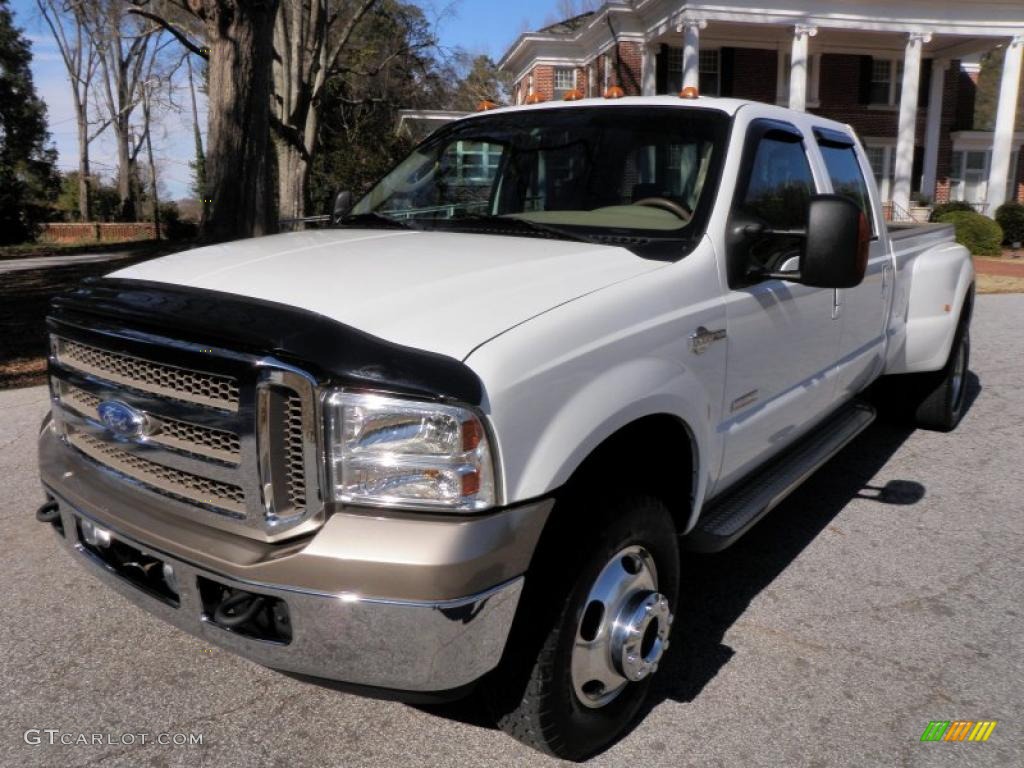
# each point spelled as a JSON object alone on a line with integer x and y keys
{"x": 521, "y": 225}
{"x": 362, "y": 219}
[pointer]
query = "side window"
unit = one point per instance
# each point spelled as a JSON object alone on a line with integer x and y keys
{"x": 847, "y": 177}
{"x": 780, "y": 185}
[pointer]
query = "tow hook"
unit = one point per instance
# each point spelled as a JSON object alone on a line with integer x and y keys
{"x": 48, "y": 513}
{"x": 261, "y": 617}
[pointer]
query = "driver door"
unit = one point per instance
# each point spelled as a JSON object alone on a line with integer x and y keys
{"x": 783, "y": 337}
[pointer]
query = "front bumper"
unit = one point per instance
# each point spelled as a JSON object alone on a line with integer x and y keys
{"x": 408, "y": 604}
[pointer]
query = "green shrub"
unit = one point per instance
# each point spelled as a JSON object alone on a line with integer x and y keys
{"x": 942, "y": 209}
{"x": 1011, "y": 218}
{"x": 978, "y": 234}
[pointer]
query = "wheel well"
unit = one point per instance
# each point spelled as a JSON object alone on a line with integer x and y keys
{"x": 658, "y": 449}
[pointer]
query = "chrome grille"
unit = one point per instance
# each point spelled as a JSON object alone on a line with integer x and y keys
{"x": 234, "y": 446}
{"x": 147, "y": 376}
{"x": 172, "y": 433}
{"x": 294, "y": 452}
{"x": 174, "y": 482}
{"x": 195, "y": 439}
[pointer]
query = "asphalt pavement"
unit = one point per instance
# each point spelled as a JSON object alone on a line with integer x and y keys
{"x": 48, "y": 262}
{"x": 886, "y": 593}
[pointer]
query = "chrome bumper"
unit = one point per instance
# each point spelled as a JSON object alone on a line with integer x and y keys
{"x": 415, "y": 645}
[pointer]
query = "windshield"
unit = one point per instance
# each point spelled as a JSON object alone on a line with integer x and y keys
{"x": 582, "y": 173}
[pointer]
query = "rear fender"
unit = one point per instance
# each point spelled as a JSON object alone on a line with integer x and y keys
{"x": 940, "y": 280}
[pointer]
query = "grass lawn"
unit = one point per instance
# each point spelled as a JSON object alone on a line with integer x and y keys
{"x": 999, "y": 284}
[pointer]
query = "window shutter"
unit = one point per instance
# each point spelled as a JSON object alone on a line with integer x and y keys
{"x": 918, "y": 169}
{"x": 925, "y": 90}
{"x": 727, "y": 70}
{"x": 866, "y": 66}
{"x": 661, "y": 71}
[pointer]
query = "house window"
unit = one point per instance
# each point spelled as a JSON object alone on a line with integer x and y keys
{"x": 565, "y": 80}
{"x": 886, "y": 82}
{"x": 710, "y": 71}
{"x": 883, "y": 165}
{"x": 969, "y": 174}
{"x": 784, "y": 79}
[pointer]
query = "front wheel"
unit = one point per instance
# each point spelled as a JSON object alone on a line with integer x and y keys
{"x": 584, "y": 688}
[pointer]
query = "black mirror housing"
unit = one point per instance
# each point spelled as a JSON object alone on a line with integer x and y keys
{"x": 835, "y": 253}
{"x": 342, "y": 205}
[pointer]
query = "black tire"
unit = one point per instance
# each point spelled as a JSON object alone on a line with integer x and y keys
{"x": 531, "y": 695}
{"x": 938, "y": 400}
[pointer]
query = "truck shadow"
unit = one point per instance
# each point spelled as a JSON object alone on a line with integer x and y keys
{"x": 722, "y": 586}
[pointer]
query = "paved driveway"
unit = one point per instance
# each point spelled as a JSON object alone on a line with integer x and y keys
{"x": 886, "y": 593}
{"x": 48, "y": 262}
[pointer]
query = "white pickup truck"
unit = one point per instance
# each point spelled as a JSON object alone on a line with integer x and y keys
{"x": 465, "y": 434}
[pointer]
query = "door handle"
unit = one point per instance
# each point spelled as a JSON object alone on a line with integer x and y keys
{"x": 702, "y": 338}
{"x": 886, "y": 274}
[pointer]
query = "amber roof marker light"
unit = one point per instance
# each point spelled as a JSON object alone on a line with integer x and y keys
{"x": 689, "y": 92}
{"x": 614, "y": 92}
{"x": 573, "y": 95}
{"x": 535, "y": 98}
{"x": 486, "y": 105}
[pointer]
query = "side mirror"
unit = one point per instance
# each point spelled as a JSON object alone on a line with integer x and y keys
{"x": 342, "y": 205}
{"x": 835, "y": 254}
{"x": 835, "y": 248}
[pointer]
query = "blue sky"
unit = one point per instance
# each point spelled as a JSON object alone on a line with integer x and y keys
{"x": 478, "y": 26}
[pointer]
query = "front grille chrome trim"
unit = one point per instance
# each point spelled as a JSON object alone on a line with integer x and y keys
{"x": 193, "y": 442}
{"x": 174, "y": 482}
{"x": 186, "y": 437}
{"x": 170, "y": 381}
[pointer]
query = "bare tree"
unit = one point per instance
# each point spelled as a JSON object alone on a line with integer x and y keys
{"x": 310, "y": 38}
{"x": 239, "y": 35}
{"x": 67, "y": 22}
{"x": 128, "y": 49}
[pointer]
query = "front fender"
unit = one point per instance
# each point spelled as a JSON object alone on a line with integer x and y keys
{"x": 621, "y": 395}
{"x": 940, "y": 281}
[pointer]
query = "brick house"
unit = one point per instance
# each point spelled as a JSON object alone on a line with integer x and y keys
{"x": 895, "y": 71}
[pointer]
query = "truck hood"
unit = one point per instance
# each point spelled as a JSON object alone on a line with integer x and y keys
{"x": 436, "y": 291}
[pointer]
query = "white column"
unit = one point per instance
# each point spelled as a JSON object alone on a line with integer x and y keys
{"x": 1006, "y": 116}
{"x": 691, "y": 51}
{"x": 905, "y": 139}
{"x": 650, "y": 79}
{"x": 934, "y": 131}
{"x": 798, "y": 70}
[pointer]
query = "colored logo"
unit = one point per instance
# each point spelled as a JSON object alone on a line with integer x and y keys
{"x": 959, "y": 730}
{"x": 121, "y": 419}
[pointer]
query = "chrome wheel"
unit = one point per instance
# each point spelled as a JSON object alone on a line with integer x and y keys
{"x": 623, "y": 631}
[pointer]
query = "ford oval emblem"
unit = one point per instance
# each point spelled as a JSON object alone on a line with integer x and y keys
{"x": 121, "y": 419}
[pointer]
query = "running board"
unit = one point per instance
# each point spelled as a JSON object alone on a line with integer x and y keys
{"x": 730, "y": 516}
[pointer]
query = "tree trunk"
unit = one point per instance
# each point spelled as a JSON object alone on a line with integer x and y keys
{"x": 238, "y": 171}
{"x": 84, "y": 182}
{"x": 292, "y": 180}
{"x": 125, "y": 183}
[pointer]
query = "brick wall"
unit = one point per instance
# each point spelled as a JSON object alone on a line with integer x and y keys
{"x": 755, "y": 73}
{"x": 629, "y": 72}
{"x": 96, "y": 233}
{"x": 544, "y": 81}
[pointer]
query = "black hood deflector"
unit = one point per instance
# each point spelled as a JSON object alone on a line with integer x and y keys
{"x": 331, "y": 351}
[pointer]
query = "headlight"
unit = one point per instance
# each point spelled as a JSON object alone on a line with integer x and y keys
{"x": 393, "y": 452}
